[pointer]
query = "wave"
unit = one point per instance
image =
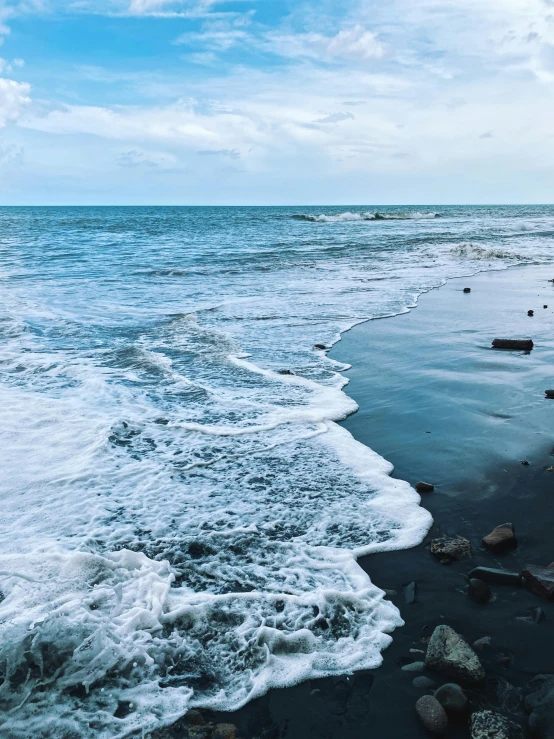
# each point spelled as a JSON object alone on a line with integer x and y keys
{"x": 468, "y": 250}
{"x": 349, "y": 216}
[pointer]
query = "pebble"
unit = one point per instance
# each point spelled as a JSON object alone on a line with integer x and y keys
{"x": 452, "y": 698}
{"x": 530, "y": 312}
{"x": 410, "y": 593}
{"x": 467, "y": 290}
{"x": 496, "y": 577}
{"x": 447, "y": 549}
{"x": 423, "y": 682}
{"x": 501, "y": 539}
{"x": 424, "y": 487}
{"x": 431, "y": 714}
{"x": 549, "y": 393}
{"x": 414, "y": 667}
{"x": 481, "y": 643}
{"x": 479, "y": 591}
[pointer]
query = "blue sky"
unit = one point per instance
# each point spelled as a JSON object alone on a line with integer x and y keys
{"x": 270, "y": 101}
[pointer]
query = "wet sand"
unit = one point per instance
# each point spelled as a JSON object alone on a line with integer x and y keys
{"x": 443, "y": 406}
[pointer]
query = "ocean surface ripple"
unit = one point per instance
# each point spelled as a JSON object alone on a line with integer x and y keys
{"x": 181, "y": 511}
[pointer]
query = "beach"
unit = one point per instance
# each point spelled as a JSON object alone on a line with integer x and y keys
{"x": 444, "y": 407}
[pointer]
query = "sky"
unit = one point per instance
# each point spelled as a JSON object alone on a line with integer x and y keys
{"x": 253, "y": 102}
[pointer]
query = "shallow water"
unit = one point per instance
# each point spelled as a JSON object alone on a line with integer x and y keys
{"x": 181, "y": 520}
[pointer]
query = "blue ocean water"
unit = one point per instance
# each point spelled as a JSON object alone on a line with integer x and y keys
{"x": 181, "y": 512}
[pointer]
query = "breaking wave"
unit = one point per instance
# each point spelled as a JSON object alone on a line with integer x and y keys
{"x": 349, "y": 216}
{"x": 474, "y": 252}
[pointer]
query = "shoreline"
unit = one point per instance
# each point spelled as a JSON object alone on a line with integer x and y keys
{"x": 382, "y": 700}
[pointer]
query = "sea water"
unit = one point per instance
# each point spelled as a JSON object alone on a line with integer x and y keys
{"x": 181, "y": 512}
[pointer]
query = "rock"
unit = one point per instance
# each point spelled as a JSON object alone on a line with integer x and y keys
{"x": 501, "y": 539}
{"x": 162, "y": 421}
{"x": 320, "y": 346}
{"x": 423, "y": 682}
{"x": 449, "y": 549}
{"x": 467, "y": 290}
{"x": 549, "y": 393}
{"x": 431, "y": 714}
{"x": 452, "y": 698}
{"x": 224, "y": 731}
{"x": 482, "y": 643}
{"x": 526, "y": 344}
{"x": 525, "y": 463}
{"x": 490, "y": 725}
{"x": 539, "y": 702}
{"x": 195, "y": 718}
{"x": 450, "y": 655}
{"x": 545, "y": 306}
{"x": 285, "y": 372}
{"x": 495, "y": 577}
{"x": 540, "y": 580}
{"x": 414, "y": 667}
{"x": 530, "y": 312}
{"x": 410, "y": 593}
{"x": 479, "y": 591}
{"x": 424, "y": 487}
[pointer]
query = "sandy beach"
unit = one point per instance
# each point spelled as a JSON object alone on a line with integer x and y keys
{"x": 445, "y": 407}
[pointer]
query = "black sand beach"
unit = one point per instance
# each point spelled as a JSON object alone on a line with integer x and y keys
{"x": 443, "y": 406}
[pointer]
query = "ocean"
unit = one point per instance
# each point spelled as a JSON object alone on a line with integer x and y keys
{"x": 181, "y": 510}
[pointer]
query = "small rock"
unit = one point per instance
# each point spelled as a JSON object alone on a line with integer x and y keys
{"x": 545, "y": 306}
{"x": 479, "y": 591}
{"x": 467, "y": 289}
{"x": 162, "y": 421}
{"x": 195, "y": 718}
{"x": 449, "y": 654}
{"x": 449, "y": 549}
{"x": 414, "y": 667}
{"x": 501, "y": 539}
{"x": 530, "y": 312}
{"x": 286, "y": 372}
{"x": 496, "y": 577}
{"x": 481, "y": 643}
{"x": 224, "y": 731}
{"x": 422, "y": 682}
{"x": 504, "y": 660}
{"x": 452, "y": 698}
{"x": 410, "y": 593}
{"x": 490, "y": 725}
{"x": 431, "y": 714}
{"x": 525, "y": 463}
{"x": 540, "y": 580}
{"x": 320, "y": 346}
{"x": 549, "y": 393}
{"x": 424, "y": 487}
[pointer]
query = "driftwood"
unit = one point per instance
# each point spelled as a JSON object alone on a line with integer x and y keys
{"x": 526, "y": 344}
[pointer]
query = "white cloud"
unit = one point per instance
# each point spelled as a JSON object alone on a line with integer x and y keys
{"x": 356, "y": 43}
{"x": 14, "y": 98}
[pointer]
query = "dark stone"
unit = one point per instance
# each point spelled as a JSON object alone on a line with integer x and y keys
{"x": 549, "y": 393}
{"x": 431, "y": 714}
{"x": 540, "y": 580}
{"x": 449, "y": 654}
{"x": 424, "y": 487}
{"x": 450, "y": 549}
{"x": 224, "y": 731}
{"x": 467, "y": 289}
{"x": 526, "y": 344}
{"x": 501, "y": 539}
{"x": 482, "y": 643}
{"x": 495, "y": 577}
{"x": 490, "y": 725}
{"x": 195, "y": 718}
{"x": 162, "y": 421}
{"x": 320, "y": 346}
{"x": 545, "y": 306}
{"x": 410, "y": 593}
{"x": 286, "y": 372}
{"x": 423, "y": 682}
{"x": 525, "y": 463}
{"x": 530, "y": 312}
{"x": 539, "y": 701}
{"x": 452, "y": 698}
{"x": 479, "y": 591}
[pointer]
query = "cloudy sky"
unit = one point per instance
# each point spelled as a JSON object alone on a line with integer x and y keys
{"x": 276, "y": 101}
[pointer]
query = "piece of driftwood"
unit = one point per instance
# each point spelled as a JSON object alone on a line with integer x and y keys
{"x": 526, "y": 344}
